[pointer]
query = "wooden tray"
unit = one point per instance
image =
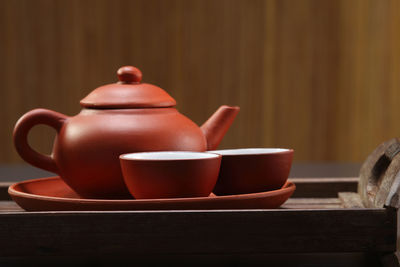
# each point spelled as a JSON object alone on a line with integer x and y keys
{"x": 340, "y": 221}
{"x": 323, "y": 226}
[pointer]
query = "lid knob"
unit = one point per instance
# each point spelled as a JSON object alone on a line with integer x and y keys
{"x": 129, "y": 74}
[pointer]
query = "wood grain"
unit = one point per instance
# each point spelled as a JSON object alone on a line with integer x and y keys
{"x": 196, "y": 232}
{"x": 302, "y": 226}
{"x": 323, "y": 187}
{"x": 321, "y": 77}
{"x": 215, "y": 260}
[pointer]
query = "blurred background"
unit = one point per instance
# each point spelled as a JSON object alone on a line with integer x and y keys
{"x": 322, "y": 77}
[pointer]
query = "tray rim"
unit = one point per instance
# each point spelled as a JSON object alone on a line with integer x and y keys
{"x": 286, "y": 188}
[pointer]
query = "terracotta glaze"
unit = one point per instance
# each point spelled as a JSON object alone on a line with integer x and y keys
{"x": 170, "y": 174}
{"x": 52, "y": 194}
{"x": 124, "y": 117}
{"x": 252, "y": 170}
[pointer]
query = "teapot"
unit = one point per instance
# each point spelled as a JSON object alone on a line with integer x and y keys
{"x": 123, "y": 117}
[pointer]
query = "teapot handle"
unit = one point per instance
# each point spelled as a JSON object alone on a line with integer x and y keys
{"x": 25, "y": 124}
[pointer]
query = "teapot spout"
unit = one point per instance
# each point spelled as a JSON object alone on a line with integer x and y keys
{"x": 218, "y": 124}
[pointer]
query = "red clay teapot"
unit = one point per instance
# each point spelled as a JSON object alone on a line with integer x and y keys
{"x": 127, "y": 116}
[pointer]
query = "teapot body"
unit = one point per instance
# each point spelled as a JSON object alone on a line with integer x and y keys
{"x": 87, "y": 147}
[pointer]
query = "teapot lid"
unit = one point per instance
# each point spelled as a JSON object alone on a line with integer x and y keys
{"x": 129, "y": 92}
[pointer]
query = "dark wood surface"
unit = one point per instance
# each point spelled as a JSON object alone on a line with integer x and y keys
{"x": 324, "y": 187}
{"x": 310, "y": 228}
{"x": 303, "y": 224}
{"x": 201, "y": 260}
{"x": 197, "y": 232}
{"x": 3, "y": 190}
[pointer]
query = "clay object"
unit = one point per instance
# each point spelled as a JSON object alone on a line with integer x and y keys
{"x": 128, "y": 116}
{"x": 170, "y": 174}
{"x": 51, "y": 194}
{"x": 252, "y": 170}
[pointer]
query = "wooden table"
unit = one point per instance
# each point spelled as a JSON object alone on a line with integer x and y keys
{"x": 316, "y": 226}
{"x": 327, "y": 222}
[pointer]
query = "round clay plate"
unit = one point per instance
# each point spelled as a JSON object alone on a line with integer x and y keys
{"x": 51, "y": 194}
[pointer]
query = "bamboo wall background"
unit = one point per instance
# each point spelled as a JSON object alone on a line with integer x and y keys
{"x": 322, "y": 77}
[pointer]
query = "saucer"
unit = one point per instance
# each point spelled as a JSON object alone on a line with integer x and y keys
{"x": 52, "y": 194}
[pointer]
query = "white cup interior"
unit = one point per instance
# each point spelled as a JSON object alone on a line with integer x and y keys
{"x": 168, "y": 155}
{"x": 249, "y": 151}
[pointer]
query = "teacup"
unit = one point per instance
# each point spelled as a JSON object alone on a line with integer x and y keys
{"x": 252, "y": 170}
{"x": 172, "y": 174}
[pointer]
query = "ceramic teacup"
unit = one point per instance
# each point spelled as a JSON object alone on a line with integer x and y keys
{"x": 172, "y": 174}
{"x": 252, "y": 170}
